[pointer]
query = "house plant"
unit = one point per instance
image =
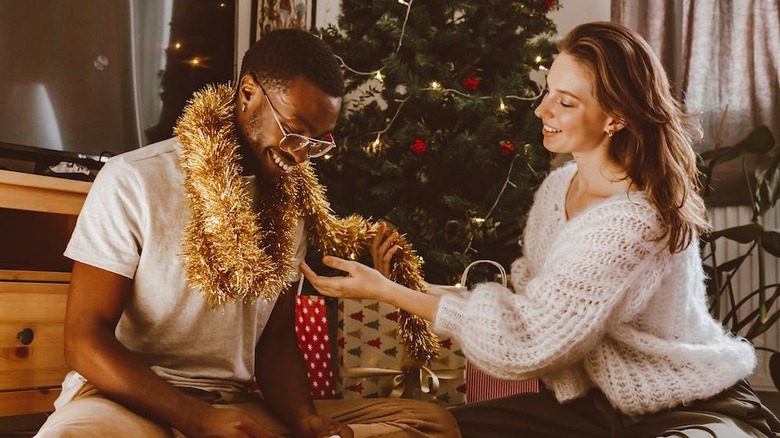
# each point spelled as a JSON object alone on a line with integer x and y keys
{"x": 747, "y": 313}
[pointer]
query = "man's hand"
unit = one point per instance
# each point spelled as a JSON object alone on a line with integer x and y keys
{"x": 316, "y": 426}
{"x": 227, "y": 423}
{"x": 383, "y": 248}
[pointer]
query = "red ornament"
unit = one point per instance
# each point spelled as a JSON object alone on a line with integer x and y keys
{"x": 418, "y": 147}
{"x": 507, "y": 148}
{"x": 549, "y": 3}
{"x": 471, "y": 83}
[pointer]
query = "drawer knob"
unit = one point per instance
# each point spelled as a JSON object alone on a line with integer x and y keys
{"x": 25, "y": 336}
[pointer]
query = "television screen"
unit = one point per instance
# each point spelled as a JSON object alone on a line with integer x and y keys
{"x": 94, "y": 78}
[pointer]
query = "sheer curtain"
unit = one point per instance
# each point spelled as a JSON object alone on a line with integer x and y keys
{"x": 718, "y": 53}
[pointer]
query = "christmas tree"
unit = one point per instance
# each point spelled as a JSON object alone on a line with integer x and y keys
{"x": 438, "y": 135}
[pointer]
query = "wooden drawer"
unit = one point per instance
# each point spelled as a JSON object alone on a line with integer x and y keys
{"x": 39, "y": 307}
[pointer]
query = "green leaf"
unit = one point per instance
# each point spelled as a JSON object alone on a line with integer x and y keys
{"x": 770, "y": 241}
{"x": 751, "y": 232}
{"x": 732, "y": 264}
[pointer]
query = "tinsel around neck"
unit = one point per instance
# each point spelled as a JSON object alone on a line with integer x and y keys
{"x": 233, "y": 253}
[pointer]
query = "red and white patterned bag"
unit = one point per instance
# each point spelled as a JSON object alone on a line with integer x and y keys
{"x": 311, "y": 327}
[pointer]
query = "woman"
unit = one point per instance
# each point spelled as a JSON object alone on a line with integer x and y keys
{"x": 610, "y": 307}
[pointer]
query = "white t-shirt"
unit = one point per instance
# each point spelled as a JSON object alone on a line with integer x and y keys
{"x": 132, "y": 224}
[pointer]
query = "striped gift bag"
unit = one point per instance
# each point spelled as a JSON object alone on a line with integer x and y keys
{"x": 479, "y": 385}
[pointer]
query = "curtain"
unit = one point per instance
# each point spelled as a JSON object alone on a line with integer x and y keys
{"x": 719, "y": 54}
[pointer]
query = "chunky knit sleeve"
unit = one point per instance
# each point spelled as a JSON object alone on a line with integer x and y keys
{"x": 598, "y": 261}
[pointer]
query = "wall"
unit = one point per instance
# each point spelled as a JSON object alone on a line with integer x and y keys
{"x": 575, "y": 12}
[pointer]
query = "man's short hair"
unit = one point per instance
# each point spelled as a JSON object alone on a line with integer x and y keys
{"x": 284, "y": 54}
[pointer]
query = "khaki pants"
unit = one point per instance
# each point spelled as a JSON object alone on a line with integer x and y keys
{"x": 734, "y": 413}
{"x": 90, "y": 415}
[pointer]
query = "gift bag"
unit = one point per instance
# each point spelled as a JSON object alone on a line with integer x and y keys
{"x": 311, "y": 328}
{"x": 479, "y": 385}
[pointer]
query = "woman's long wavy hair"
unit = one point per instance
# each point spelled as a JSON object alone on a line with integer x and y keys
{"x": 656, "y": 145}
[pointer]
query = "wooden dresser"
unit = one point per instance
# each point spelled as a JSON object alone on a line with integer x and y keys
{"x": 37, "y": 216}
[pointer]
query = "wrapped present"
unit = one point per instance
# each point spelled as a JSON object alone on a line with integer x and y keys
{"x": 449, "y": 370}
{"x": 370, "y": 357}
{"x": 372, "y": 362}
{"x": 311, "y": 327}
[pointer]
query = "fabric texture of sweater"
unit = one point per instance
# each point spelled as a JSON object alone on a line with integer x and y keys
{"x": 600, "y": 303}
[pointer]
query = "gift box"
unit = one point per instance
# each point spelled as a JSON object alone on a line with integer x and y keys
{"x": 370, "y": 358}
{"x": 373, "y": 363}
{"x": 449, "y": 370}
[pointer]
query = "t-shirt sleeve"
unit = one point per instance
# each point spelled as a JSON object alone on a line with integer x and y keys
{"x": 109, "y": 229}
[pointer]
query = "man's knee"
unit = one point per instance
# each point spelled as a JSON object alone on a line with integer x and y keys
{"x": 99, "y": 417}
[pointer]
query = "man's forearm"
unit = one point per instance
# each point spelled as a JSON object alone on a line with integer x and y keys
{"x": 121, "y": 376}
{"x": 283, "y": 380}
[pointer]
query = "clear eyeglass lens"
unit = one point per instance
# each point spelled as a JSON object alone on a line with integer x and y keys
{"x": 296, "y": 142}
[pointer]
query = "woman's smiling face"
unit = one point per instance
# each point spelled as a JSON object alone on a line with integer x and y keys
{"x": 573, "y": 121}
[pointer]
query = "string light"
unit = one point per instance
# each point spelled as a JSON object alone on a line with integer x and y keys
{"x": 507, "y": 182}
{"x": 375, "y": 146}
{"x": 406, "y": 19}
{"x": 177, "y": 46}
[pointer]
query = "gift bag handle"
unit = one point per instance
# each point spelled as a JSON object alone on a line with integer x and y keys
{"x": 477, "y": 262}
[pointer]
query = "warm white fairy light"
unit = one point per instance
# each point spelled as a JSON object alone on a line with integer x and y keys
{"x": 375, "y": 146}
{"x": 177, "y": 46}
{"x": 435, "y": 85}
{"x": 378, "y": 76}
{"x": 501, "y": 105}
{"x": 538, "y": 59}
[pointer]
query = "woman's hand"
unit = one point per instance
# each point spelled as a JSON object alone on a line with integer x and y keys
{"x": 362, "y": 281}
{"x": 383, "y": 248}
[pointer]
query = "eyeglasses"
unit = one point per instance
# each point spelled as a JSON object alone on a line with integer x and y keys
{"x": 293, "y": 142}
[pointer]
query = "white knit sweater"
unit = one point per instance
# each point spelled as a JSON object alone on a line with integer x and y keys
{"x": 599, "y": 303}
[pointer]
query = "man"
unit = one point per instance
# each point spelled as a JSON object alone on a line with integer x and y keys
{"x": 185, "y": 253}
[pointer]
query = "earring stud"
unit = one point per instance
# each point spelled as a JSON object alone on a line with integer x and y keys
{"x": 609, "y": 133}
{"x": 243, "y": 109}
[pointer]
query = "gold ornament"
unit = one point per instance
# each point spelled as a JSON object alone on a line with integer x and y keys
{"x": 231, "y": 252}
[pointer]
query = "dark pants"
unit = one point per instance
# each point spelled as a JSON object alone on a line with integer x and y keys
{"x": 734, "y": 413}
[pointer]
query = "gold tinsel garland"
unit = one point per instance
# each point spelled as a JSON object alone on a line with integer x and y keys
{"x": 231, "y": 252}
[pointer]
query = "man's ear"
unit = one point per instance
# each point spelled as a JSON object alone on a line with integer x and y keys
{"x": 248, "y": 90}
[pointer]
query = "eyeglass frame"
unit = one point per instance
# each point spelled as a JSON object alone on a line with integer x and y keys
{"x": 309, "y": 142}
